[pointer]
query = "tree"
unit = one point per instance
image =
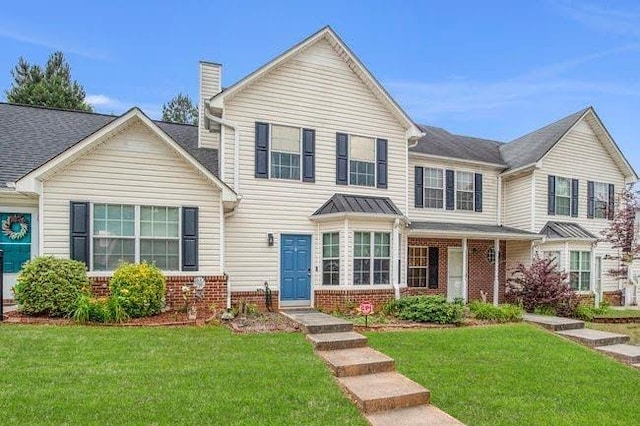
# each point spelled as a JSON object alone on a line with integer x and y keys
{"x": 50, "y": 87}
{"x": 180, "y": 109}
{"x": 622, "y": 234}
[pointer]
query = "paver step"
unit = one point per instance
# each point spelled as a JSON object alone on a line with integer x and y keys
{"x": 594, "y": 338}
{"x": 335, "y": 341}
{"x": 357, "y": 361}
{"x": 384, "y": 391}
{"x": 313, "y": 322}
{"x": 421, "y": 415}
{"x": 625, "y": 353}
{"x": 554, "y": 323}
{"x": 636, "y": 365}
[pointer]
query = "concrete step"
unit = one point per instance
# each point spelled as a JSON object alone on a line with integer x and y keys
{"x": 384, "y": 391}
{"x": 594, "y": 338}
{"x": 554, "y": 323}
{"x": 623, "y": 352}
{"x": 313, "y": 322}
{"x": 421, "y": 415}
{"x": 636, "y": 366}
{"x": 335, "y": 341}
{"x": 357, "y": 361}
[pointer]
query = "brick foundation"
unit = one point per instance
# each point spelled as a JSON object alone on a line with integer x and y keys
{"x": 256, "y": 298}
{"x": 346, "y": 300}
{"x": 613, "y": 298}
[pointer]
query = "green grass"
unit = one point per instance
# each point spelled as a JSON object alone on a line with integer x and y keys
{"x": 164, "y": 376}
{"x": 515, "y": 375}
{"x": 621, "y": 313}
{"x": 630, "y": 329}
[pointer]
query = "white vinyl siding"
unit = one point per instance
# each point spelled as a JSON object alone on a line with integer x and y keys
{"x": 209, "y": 86}
{"x": 516, "y": 202}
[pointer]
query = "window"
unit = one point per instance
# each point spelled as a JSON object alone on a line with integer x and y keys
{"x": 464, "y": 191}
{"x": 491, "y": 255}
{"x": 418, "y": 266}
{"x": 371, "y": 257}
{"x": 362, "y": 161}
{"x": 433, "y": 188}
{"x": 285, "y": 152}
{"x": 331, "y": 258}
{"x": 563, "y": 196}
{"x": 580, "y": 270}
{"x": 553, "y": 255}
{"x": 600, "y": 200}
{"x": 115, "y": 236}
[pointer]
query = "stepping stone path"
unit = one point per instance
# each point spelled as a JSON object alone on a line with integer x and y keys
{"x": 612, "y": 344}
{"x": 369, "y": 377}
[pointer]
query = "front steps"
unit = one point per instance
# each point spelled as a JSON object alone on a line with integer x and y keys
{"x": 612, "y": 344}
{"x": 386, "y": 397}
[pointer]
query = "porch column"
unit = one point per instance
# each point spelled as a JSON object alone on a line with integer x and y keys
{"x": 465, "y": 260}
{"x": 496, "y": 272}
{"x": 395, "y": 257}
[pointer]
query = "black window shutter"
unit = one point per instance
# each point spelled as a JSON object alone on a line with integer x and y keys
{"x": 381, "y": 163}
{"x": 433, "y": 267}
{"x": 419, "y": 186}
{"x": 591, "y": 202}
{"x": 612, "y": 202}
{"x": 574, "y": 197}
{"x": 79, "y": 235}
{"x": 450, "y": 189}
{"x": 551, "y": 194}
{"x": 309, "y": 155}
{"x": 262, "y": 150}
{"x": 477, "y": 195}
{"x": 189, "y": 238}
{"x": 342, "y": 159}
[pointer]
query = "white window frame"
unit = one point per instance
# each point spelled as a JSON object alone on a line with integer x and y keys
{"x": 372, "y": 258}
{"x": 271, "y": 150}
{"x": 581, "y": 286}
{"x": 375, "y": 156}
{"x": 442, "y": 188}
{"x": 331, "y": 258}
{"x": 473, "y": 190}
{"x": 562, "y": 196}
{"x": 605, "y": 200}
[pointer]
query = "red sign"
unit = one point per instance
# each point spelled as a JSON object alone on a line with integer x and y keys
{"x": 366, "y": 308}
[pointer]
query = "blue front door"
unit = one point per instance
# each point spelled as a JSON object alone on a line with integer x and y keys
{"x": 295, "y": 267}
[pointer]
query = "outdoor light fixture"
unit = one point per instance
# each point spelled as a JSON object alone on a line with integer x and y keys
{"x": 270, "y": 239}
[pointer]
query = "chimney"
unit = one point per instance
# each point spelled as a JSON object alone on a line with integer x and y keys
{"x": 210, "y": 85}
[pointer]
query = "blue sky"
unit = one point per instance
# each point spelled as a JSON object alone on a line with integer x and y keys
{"x": 496, "y": 71}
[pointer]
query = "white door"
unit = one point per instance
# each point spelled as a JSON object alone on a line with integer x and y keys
{"x": 455, "y": 289}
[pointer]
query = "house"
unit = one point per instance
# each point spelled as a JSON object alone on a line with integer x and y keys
{"x": 307, "y": 177}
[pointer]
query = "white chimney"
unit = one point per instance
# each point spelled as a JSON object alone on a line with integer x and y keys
{"x": 210, "y": 85}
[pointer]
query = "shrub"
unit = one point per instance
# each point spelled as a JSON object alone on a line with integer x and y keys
{"x": 541, "y": 286}
{"x": 138, "y": 289}
{"x": 429, "y": 309}
{"x": 588, "y": 312}
{"x": 50, "y": 286}
{"x": 501, "y": 313}
{"x": 101, "y": 309}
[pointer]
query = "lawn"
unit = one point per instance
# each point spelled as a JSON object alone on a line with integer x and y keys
{"x": 631, "y": 329}
{"x": 117, "y": 375}
{"x": 515, "y": 375}
{"x": 621, "y": 313}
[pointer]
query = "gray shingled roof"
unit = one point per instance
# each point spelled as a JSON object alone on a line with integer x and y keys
{"x": 347, "y": 203}
{"x": 30, "y": 136}
{"x": 557, "y": 230}
{"x": 532, "y": 147}
{"x": 440, "y": 142}
{"x": 470, "y": 228}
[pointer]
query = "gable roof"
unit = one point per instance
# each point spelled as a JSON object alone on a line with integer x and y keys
{"x": 348, "y": 203}
{"x": 30, "y": 136}
{"x": 352, "y": 60}
{"x": 566, "y": 230}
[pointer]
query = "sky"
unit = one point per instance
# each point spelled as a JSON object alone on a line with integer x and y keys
{"x": 497, "y": 71}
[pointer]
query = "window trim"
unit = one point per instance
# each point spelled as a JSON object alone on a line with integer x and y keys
{"x": 271, "y": 150}
{"x": 580, "y": 271}
{"x": 473, "y": 191}
{"x": 323, "y": 258}
{"x": 372, "y": 258}
{"x": 568, "y": 197}
{"x": 375, "y": 159}
{"x": 425, "y": 187}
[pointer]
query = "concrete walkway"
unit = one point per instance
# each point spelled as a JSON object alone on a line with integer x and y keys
{"x": 613, "y": 344}
{"x": 369, "y": 377}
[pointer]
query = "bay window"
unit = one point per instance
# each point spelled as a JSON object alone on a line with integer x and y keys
{"x": 331, "y": 258}
{"x": 371, "y": 257}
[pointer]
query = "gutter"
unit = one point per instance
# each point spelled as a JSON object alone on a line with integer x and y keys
{"x": 236, "y": 144}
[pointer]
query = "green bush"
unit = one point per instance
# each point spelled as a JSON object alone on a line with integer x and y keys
{"x": 102, "y": 309}
{"x": 501, "y": 313}
{"x": 138, "y": 288}
{"x": 429, "y": 309}
{"x": 588, "y": 313}
{"x": 50, "y": 286}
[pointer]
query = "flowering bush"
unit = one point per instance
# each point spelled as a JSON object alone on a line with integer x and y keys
{"x": 139, "y": 289}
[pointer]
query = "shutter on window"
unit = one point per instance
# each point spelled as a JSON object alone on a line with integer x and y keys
{"x": 574, "y": 197}
{"x": 612, "y": 202}
{"x": 262, "y": 150}
{"x": 189, "y": 238}
{"x": 342, "y": 158}
{"x": 591, "y": 202}
{"x": 477, "y": 196}
{"x": 419, "y": 186}
{"x": 381, "y": 163}
{"x": 450, "y": 189}
{"x": 551, "y": 194}
{"x": 79, "y": 227}
{"x": 433, "y": 267}
{"x": 308, "y": 155}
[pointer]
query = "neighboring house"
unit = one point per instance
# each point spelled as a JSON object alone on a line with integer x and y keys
{"x": 307, "y": 176}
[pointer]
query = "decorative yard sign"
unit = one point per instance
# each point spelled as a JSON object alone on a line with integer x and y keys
{"x": 366, "y": 309}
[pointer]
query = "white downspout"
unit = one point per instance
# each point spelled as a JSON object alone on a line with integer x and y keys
{"x": 236, "y": 144}
{"x": 395, "y": 259}
{"x": 499, "y": 207}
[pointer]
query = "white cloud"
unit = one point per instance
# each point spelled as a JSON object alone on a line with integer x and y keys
{"x": 109, "y": 105}
{"x": 619, "y": 21}
{"x": 100, "y": 100}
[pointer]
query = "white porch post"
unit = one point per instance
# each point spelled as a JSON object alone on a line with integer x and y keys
{"x": 395, "y": 257}
{"x": 465, "y": 257}
{"x": 496, "y": 272}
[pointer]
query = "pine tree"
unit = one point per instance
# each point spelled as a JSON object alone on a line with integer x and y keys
{"x": 50, "y": 87}
{"x": 180, "y": 109}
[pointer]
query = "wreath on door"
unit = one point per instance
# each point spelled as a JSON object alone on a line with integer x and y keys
{"x": 8, "y": 226}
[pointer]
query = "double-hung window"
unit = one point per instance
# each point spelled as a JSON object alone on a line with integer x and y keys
{"x": 331, "y": 258}
{"x": 433, "y": 188}
{"x": 600, "y": 200}
{"x": 362, "y": 161}
{"x": 563, "y": 196}
{"x": 114, "y": 237}
{"x": 464, "y": 191}
{"x": 418, "y": 266}
{"x": 371, "y": 257}
{"x": 285, "y": 152}
{"x": 580, "y": 270}
{"x": 159, "y": 237}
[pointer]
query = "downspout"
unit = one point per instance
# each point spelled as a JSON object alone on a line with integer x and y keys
{"x": 395, "y": 259}
{"x": 499, "y": 207}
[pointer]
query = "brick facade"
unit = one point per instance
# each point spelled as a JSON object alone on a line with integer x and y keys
{"x": 257, "y": 298}
{"x": 613, "y": 298}
{"x": 346, "y": 300}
